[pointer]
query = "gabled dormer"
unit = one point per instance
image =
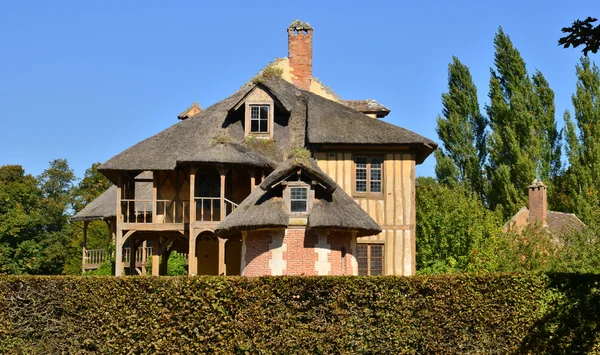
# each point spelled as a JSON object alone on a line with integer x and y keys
{"x": 258, "y": 108}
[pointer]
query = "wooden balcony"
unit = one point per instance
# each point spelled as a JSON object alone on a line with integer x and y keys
{"x": 174, "y": 214}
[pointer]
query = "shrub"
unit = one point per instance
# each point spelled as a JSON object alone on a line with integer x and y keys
{"x": 468, "y": 313}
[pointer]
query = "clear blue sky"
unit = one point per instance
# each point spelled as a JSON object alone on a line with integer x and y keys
{"x": 85, "y": 80}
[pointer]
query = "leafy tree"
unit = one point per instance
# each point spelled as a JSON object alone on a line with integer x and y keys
{"x": 524, "y": 143}
{"x": 582, "y": 33}
{"x": 456, "y": 232}
{"x": 91, "y": 186}
{"x": 21, "y": 221}
{"x": 56, "y": 184}
{"x": 462, "y": 131}
{"x": 583, "y": 145}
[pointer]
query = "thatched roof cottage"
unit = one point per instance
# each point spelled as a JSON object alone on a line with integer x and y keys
{"x": 281, "y": 178}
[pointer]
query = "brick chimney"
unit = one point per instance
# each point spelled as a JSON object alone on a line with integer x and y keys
{"x": 300, "y": 53}
{"x": 538, "y": 203}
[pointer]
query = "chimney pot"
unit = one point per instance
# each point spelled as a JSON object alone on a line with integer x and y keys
{"x": 538, "y": 203}
{"x": 300, "y": 53}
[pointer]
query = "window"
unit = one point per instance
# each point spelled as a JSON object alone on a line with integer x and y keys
{"x": 298, "y": 199}
{"x": 259, "y": 119}
{"x": 368, "y": 176}
{"x": 370, "y": 259}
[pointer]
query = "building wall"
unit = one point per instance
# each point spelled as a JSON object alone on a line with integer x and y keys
{"x": 297, "y": 252}
{"x": 394, "y": 212}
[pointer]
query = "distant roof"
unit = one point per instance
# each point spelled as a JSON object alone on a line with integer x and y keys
{"x": 368, "y": 106}
{"x": 312, "y": 120}
{"x": 264, "y": 208}
{"x": 229, "y": 153}
{"x": 190, "y": 111}
{"x": 105, "y": 206}
{"x": 559, "y": 223}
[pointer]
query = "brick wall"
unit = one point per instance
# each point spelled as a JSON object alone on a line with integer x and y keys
{"x": 298, "y": 252}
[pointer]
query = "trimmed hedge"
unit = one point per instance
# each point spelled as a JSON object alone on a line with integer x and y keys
{"x": 501, "y": 313}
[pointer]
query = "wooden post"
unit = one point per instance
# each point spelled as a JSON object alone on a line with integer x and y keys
{"x": 192, "y": 197}
{"x": 252, "y": 178}
{"x": 154, "y": 195}
{"x": 192, "y": 260}
{"x": 119, "y": 231}
{"x": 83, "y": 246}
{"x": 222, "y": 256}
{"x": 156, "y": 256}
{"x": 144, "y": 256}
{"x": 222, "y": 172}
{"x": 132, "y": 255}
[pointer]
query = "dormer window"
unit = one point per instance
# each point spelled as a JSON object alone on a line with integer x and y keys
{"x": 298, "y": 199}
{"x": 259, "y": 118}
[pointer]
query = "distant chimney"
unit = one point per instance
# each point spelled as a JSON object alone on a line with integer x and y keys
{"x": 300, "y": 53}
{"x": 538, "y": 203}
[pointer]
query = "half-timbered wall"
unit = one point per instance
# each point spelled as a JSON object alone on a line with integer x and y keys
{"x": 394, "y": 210}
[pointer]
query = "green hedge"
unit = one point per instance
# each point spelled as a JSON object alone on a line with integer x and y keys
{"x": 502, "y": 313}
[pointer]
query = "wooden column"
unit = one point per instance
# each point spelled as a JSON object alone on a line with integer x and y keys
{"x": 155, "y": 256}
{"x": 119, "y": 231}
{"x": 132, "y": 255}
{"x": 222, "y": 172}
{"x": 192, "y": 197}
{"x": 154, "y": 195}
{"x": 222, "y": 256}
{"x": 192, "y": 259}
{"x": 144, "y": 256}
{"x": 83, "y": 246}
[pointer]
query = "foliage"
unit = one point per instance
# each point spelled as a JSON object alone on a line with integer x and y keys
{"x": 462, "y": 131}
{"x": 221, "y": 137}
{"x": 105, "y": 269}
{"x": 493, "y": 313}
{"x": 176, "y": 265}
{"x": 91, "y": 186}
{"x": 300, "y": 154}
{"x": 524, "y": 143}
{"x": 456, "y": 232}
{"x": 582, "y": 179}
{"x": 582, "y": 33}
{"x": 268, "y": 72}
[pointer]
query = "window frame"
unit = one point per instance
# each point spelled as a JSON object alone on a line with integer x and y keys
{"x": 287, "y": 198}
{"x": 368, "y": 193}
{"x": 248, "y": 119}
{"x": 369, "y": 247}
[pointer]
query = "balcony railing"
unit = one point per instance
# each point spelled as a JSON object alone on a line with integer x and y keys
{"x": 208, "y": 209}
{"x": 93, "y": 258}
{"x": 167, "y": 211}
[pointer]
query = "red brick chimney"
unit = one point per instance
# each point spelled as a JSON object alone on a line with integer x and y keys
{"x": 300, "y": 53}
{"x": 538, "y": 203}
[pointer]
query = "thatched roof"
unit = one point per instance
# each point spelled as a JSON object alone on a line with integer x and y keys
{"x": 264, "y": 208}
{"x": 324, "y": 121}
{"x": 102, "y": 207}
{"x": 229, "y": 153}
{"x": 368, "y": 106}
{"x": 291, "y": 166}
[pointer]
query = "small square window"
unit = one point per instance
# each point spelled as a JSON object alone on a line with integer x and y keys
{"x": 298, "y": 199}
{"x": 259, "y": 119}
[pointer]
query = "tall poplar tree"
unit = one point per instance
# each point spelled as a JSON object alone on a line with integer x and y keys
{"x": 583, "y": 144}
{"x": 524, "y": 143}
{"x": 461, "y": 127}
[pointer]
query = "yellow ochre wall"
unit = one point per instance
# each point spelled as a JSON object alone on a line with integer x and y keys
{"x": 394, "y": 212}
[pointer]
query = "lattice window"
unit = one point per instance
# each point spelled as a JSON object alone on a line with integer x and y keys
{"x": 259, "y": 119}
{"x": 370, "y": 259}
{"x": 368, "y": 175}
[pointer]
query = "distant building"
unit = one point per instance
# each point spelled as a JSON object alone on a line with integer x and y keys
{"x": 556, "y": 223}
